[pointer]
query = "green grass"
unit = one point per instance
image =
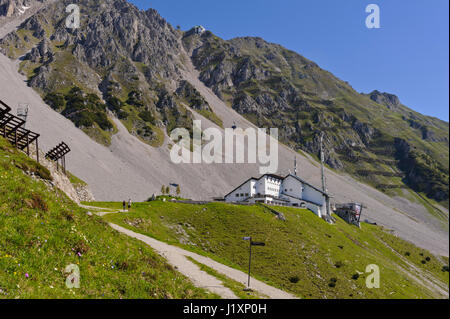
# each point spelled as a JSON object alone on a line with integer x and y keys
{"x": 304, "y": 247}
{"x": 213, "y": 117}
{"x": 42, "y": 232}
{"x": 97, "y": 134}
{"x": 75, "y": 180}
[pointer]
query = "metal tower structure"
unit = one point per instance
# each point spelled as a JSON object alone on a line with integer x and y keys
{"x": 295, "y": 166}
{"x": 322, "y": 160}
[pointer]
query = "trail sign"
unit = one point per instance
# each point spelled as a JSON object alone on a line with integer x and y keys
{"x": 255, "y": 243}
{"x": 252, "y": 243}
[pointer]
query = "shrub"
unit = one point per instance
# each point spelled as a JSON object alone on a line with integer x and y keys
{"x": 55, "y": 100}
{"x": 69, "y": 216}
{"x": 339, "y": 264}
{"x": 123, "y": 115}
{"x": 428, "y": 259}
{"x": 355, "y": 277}
{"x": 114, "y": 104}
{"x": 407, "y": 254}
{"x": 81, "y": 247}
{"x": 445, "y": 268}
{"x": 294, "y": 279}
{"x": 332, "y": 283}
{"x": 37, "y": 202}
{"x": 147, "y": 116}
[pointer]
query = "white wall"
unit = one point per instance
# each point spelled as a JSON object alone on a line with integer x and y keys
{"x": 268, "y": 186}
{"x": 312, "y": 195}
{"x": 272, "y": 186}
{"x": 242, "y": 193}
{"x": 292, "y": 187}
{"x": 315, "y": 209}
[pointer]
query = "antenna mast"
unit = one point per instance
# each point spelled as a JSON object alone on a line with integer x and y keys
{"x": 295, "y": 166}
{"x": 322, "y": 160}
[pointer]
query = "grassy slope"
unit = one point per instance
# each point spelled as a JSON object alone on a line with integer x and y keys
{"x": 305, "y": 247}
{"x": 41, "y": 232}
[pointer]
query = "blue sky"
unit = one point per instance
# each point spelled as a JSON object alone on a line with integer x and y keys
{"x": 408, "y": 56}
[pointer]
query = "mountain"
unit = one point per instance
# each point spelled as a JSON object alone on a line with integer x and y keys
{"x": 371, "y": 136}
{"x": 128, "y": 62}
{"x": 126, "y": 78}
{"x": 43, "y": 232}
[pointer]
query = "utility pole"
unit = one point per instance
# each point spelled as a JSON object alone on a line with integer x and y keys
{"x": 324, "y": 184}
{"x": 322, "y": 160}
{"x": 295, "y": 166}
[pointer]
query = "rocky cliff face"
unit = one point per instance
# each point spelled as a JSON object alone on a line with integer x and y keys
{"x": 391, "y": 101}
{"x": 126, "y": 63}
{"x": 10, "y": 8}
{"x": 126, "y": 57}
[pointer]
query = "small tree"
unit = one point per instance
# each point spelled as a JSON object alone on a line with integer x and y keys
{"x": 178, "y": 190}
{"x": 168, "y": 190}
{"x": 163, "y": 190}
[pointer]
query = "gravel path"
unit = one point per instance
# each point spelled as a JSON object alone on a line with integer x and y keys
{"x": 177, "y": 258}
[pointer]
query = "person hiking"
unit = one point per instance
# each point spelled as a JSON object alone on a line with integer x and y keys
{"x": 129, "y": 204}
{"x": 124, "y": 204}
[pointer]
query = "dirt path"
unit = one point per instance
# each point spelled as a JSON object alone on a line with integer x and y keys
{"x": 177, "y": 258}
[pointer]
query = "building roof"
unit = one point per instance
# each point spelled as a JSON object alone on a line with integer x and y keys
{"x": 280, "y": 178}
{"x": 251, "y": 178}
{"x": 256, "y": 179}
{"x": 273, "y": 176}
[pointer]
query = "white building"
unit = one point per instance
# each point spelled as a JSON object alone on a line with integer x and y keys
{"x": 281, "y": 191}
{"x": 199, "y": 29}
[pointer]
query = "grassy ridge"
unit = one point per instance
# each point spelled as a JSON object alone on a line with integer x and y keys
{"x": 304, "y": 255}
{"x": 42, "y": 232}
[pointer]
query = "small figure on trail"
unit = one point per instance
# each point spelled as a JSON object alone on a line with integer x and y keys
{"x": 124, "y": 204}
{"x": 129, "y": 204}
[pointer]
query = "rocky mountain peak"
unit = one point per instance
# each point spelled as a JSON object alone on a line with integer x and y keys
{"x": 391, "y": 101}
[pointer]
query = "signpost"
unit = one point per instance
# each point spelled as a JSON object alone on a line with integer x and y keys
{"x": 252, "y": 243}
